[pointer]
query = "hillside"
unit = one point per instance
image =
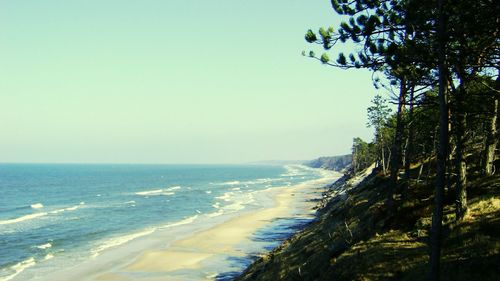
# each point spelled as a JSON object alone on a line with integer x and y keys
{"x": 357, "y": 236}
{"x": 335, "y": 163}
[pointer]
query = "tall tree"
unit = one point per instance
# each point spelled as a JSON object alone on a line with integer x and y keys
{"x": 378, "y": 116}
{"x": 492, "y": 136}
{"x": 442, "y": 152}
{"x": 473, "y": 47}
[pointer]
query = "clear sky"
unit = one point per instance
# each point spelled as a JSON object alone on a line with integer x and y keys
{"x": 171, "y": 81}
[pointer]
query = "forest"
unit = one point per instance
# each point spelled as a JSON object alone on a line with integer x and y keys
{"x": 437, "y": 64}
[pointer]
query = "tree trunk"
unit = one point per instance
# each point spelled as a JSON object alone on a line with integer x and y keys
{"x": 492, "y": 138}
{"x": 388, "y": 158}
{"x": 354, "y": 161}
{"x": 437, "y": 214}
{"x": 451, "y": 145}
{"x": 384, "y": 168}
{"x": 398, "y": 139}
{"x": 460, "y": 163}
{"x": 411, "y": 134}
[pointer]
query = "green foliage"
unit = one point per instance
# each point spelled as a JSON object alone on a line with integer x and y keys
{"x": 325, "y": 58}
{"x": 363, "y": 154}
{"x": 310, "y": 36}
{"x": 378, "y": 113}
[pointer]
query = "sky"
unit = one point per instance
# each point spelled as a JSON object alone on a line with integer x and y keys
{"x": 155, "y": 81}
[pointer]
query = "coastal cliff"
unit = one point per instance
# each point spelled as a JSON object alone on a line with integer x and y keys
{"x": 335, "y": 163}
{"x": 358, "y": 236}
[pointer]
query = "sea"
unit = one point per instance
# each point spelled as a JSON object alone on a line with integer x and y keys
{"x": 55, "y": 216}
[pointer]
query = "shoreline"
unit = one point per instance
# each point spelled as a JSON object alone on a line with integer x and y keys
{"x": 211, "y": 247}
{"x": 195, "y": 256}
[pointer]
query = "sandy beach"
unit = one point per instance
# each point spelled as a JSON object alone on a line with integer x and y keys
{"x": 221, "y": 239}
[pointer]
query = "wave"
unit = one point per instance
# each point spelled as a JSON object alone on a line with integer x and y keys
{"x": 150, "y": 192}
{"x": 261, "y": 181}
{"x": 20, "y": 267}
{"x": 182, "y": 222}
{"x": 48, "y": 256}
{"x": 226, "y": 196}
{"x": 23, "y": 218}
{"x": 36, "y": 206}
{"x": 111, "y": 243}
{"x": 215, "y": 214}
{"x": 44, "y": 246}
{"x": 156, "y": 192}
{"x": 235, "y": 201}
{"x": 235, "y": 206}
{"x": 208, "y": 191}
{"x": 117, "y": 241}
{"x": 68, "y": 209}
{"x": 296, "y": 170}
{"x": 227, "y": 183}
{"x": 247, "y": 183}
{"x": 40, "y": 214}
{"x": 173, "y": 188}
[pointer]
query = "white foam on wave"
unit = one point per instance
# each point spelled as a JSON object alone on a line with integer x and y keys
{"x": 48, "y": 256}
{"x": 295, "y": 170}
{"x": 68, "y": 209}
{"x": 149, "y": 192}
{"x": 215, "y": 214}
{"x": 44, "y": 246}
{"x": 117, "y": 241}
{"x": 130, "y": 202}
{"x": 182, "y": 222}
{"x": 235, "y": 206}
{"x": 23, "y": 218}
{"x": 261, "y": 181}
{"x": 208, "y": 192}
{"x": 226, "y": 196}
{"x": 156, "y": 192}
{"x": 247, "y": 183}
{"x": 227, "y": 183}
{"x": 173, "y": 188}
{"x": 20, "y": 267}
{"x": 36, "y": 206}
{"x": 237, "y": 201}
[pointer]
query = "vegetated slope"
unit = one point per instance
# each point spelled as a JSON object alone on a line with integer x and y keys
{"x": 336, "y": 163}
{"x": 357, "y": 236}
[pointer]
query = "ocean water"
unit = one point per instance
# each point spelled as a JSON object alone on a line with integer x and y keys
{"x": 55, "y": 216}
